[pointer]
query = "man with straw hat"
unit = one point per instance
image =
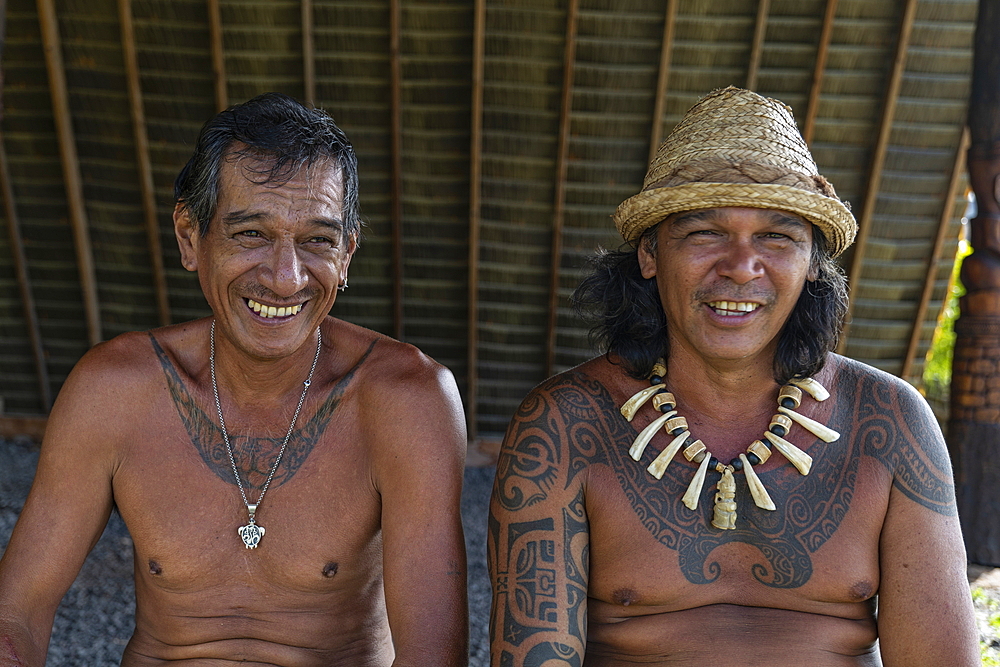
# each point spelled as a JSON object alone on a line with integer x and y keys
{"x": 719, "y": 487}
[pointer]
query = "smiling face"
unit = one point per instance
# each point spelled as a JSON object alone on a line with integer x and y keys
{"x": 272, "y": 258}
{"x": 728, "y": 279}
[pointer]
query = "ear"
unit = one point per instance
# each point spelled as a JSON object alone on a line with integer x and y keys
{"x": 647, "y": 260}
{"x": 352, "y": 246}
{"x": 186, "y": 231}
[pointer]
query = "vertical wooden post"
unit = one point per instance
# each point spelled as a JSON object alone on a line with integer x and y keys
{"x": 308, "y": 54}
{"x": 70, "y": 167}
{"x": 396, "y": 214}
{"x": 23, "y": 281}
{"x": 475, "y": 185}
{"x": 143, "y": 160}
{"x": 878, "y": 159}
{"x": 562, "y": 165}
{"x": 974, "y": 421}
{"x": 663, "y": 78}
{"x": 218, "y": 58}
{"x": 757, "y": 46}
{"x": 819, "y": 71}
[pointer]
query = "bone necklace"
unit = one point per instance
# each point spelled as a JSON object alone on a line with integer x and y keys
{"x": 252, "y": 533}
{"x": 757, "y": 452}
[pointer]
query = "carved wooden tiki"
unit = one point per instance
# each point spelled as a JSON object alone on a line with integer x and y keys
{"x": 974, "y": 424}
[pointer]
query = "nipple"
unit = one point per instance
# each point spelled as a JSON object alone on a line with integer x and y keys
{"x": 330, "y": 570}
{"x": 154, "y": 568}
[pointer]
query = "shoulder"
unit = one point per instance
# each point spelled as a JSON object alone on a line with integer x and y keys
{"x": 587, "y": 392}
{"x": 874, "y": 392}
{"x": 893, "y": 424}
{"x": 120, "y": 366}
{"x": 100, "y": 395}
{"x": 384, "y": 366}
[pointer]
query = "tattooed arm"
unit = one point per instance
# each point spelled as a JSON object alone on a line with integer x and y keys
{"x": 538, "y": 541}
{"x": 925, "y": 616}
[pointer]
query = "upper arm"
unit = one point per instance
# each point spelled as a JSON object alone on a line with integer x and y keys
{"x": 419, "y": 474}
{"x": 70, "y": 499}
{"x": 537, "y": 543}
{"x": 925, "y": 614}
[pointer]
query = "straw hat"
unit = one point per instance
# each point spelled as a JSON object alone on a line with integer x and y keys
{"x": 736, "y": 148}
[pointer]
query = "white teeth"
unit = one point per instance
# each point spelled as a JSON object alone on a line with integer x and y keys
{"x": 732, "y": 308}
{"x": 271, "y": 311}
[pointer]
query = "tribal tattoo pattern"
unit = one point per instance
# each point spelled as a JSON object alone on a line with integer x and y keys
{"x": 571, "y": 422}
{"x": 254, "y": 455}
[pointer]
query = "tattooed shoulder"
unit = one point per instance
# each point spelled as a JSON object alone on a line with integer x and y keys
{"x": 555, "y": 435}
{"x": 894, "y": 425}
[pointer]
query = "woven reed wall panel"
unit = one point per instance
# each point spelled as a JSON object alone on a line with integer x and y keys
{"x": 525, "y": 42}
{"x": 175, "y": 67}
{"x": 926, "y": 131}
{"x": 36, "y": 174}
{"x": 353, "y": 84}
{"x": 615, "y": 74}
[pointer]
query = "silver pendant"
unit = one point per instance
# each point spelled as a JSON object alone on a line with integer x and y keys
{"x": 251, "y": 534}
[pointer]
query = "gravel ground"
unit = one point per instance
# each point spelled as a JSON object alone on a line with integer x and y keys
{"x": 94, "y": 621}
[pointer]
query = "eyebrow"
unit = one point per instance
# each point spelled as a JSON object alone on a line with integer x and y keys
{"x": 778, "y": 218}
{"x": 239, "y": 217}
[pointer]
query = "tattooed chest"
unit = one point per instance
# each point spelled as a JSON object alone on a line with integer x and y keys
{"x": 775, "y": 548}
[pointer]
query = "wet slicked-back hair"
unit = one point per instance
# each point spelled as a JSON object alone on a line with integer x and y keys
{"x": 628, "y": 323}
{"x": 281, "y": 136}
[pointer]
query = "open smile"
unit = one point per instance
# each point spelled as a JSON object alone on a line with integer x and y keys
{"x": 269, "y": 312}
{"x": 733, "y": 308}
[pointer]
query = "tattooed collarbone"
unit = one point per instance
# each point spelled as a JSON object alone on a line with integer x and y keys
{"x": 254, "y": 456}
{"x": 810, "y": 510}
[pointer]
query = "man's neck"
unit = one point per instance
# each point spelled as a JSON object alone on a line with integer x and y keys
{"x": 722, "y": 389}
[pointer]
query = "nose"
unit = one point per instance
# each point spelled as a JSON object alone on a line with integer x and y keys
{"x": 740, "y": 262}
{"x": 283, "y": 273}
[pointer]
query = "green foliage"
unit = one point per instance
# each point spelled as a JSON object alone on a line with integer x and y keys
{"x": 937, "y": 371}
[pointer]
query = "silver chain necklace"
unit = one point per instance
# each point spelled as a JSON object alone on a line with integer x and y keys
{"x": 252, "y": 533}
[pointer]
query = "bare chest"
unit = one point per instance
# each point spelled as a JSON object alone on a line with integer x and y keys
{"x": 317, "y": 513}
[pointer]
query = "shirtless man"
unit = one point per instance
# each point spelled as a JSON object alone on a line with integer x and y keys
{"x": 713, "y": 543}
{"x": 320, "y": 524}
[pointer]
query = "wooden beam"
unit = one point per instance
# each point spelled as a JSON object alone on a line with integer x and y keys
{"x": 308, "y": 54}
{"x": 878, "y": 160}
{"x": 475, "y": 185}
{"x": 663, "y": 78}
{"x": 143, "y": 161}
{"x": 23, "y": 280}
{"x": 218, "y": 57}
{"x": 757, "y": 47}
{"x": 944, "y": 222}
{"x": 396, "y": 213}
{"x": 819, "y": 71}
{"x": 31, "y": 426}
{"x": 70, "y": 167}
{"x": 562, "y": 165}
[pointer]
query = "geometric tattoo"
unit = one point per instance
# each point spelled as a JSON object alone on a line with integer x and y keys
{"x": 255, "y": 455}
{"x": 573, "y": 417}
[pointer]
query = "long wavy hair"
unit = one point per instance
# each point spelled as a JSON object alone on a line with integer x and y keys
{"x": 281, "y": 136}
{"x": 630, "y": 328}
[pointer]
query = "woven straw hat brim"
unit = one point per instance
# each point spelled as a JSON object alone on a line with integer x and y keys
{"x": 649, "y": 207}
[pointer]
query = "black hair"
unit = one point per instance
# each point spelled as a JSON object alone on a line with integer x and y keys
{"x": 284, "y": 135}
{"x": 630, "y": 328}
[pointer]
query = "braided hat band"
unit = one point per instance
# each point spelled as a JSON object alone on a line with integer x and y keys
{"x": 735, "y": 148}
